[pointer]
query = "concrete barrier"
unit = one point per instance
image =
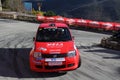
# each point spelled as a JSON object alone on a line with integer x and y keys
{"x": 18, "y": 16}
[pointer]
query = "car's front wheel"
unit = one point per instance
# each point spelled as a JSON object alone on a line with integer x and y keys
{"x": 62, "y": 72}
{"x": 79, "y": 62}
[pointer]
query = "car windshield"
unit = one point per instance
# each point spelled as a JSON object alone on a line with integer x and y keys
{"x": 53, "y": 34}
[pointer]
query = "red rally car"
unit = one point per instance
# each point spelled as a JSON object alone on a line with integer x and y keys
{"x": 54, "y": 49}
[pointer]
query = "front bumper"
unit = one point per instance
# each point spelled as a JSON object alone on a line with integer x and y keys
{"x": 43, "y": 66}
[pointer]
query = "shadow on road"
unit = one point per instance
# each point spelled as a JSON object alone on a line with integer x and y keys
{"x": 115, "y": 53}
{"x": 15, "y": 63}
{"x": 118, "y": 70}
{"x": 94, "y": 30}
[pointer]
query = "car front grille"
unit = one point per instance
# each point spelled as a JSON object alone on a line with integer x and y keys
{"x": 54, "y": 55}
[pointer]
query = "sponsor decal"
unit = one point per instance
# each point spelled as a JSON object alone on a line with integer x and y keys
{"x": 55, "y": 51}
{"x": 42, "y": 49}
{"x": 57, "y": 45}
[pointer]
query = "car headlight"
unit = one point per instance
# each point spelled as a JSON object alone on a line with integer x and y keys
{"x": 71, "y": 53}
{"x": 37, "y": 55}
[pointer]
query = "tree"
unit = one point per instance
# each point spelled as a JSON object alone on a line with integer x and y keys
{"x": 0, "y": 5}
{"x": 13, "y": 5}
{"x": 16, "y": 5}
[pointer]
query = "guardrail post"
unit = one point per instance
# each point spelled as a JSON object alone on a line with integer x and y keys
{"x": 14, "y": 16}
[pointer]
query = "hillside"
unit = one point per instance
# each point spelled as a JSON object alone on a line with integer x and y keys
{"x": 102, "y": 10}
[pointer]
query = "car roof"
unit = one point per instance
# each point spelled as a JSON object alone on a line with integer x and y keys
{"x": 44, "y": 25}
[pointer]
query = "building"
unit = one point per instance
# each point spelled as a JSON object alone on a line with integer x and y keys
{"x": 32, "y": 4}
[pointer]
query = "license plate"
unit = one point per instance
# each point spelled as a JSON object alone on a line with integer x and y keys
{"x": 55, "y": 63}
{"x": 54, "y": 59}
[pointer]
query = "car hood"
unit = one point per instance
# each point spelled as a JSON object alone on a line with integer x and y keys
{"x": 54, "y": 47}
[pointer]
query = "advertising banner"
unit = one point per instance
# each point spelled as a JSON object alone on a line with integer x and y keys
{"x": 28, "y": 6}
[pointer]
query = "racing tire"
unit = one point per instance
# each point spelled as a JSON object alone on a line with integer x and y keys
{"x": 62, "y": 72}
{"x": 79, "y": 63}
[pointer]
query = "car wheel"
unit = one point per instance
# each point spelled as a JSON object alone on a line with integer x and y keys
{"x": 62, "y": 72}
{"x": 79, "y": 63}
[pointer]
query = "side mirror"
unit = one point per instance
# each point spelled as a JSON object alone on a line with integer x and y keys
{"x": 73, "y": 37}
{"x": 33, "y": 38}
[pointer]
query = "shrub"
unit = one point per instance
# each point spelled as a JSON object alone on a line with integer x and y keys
{"x": 49, "y": 13}
{"x": 37, "y": 12}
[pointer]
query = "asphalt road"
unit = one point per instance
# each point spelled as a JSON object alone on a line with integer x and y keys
{"x": 16, "y": 42}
